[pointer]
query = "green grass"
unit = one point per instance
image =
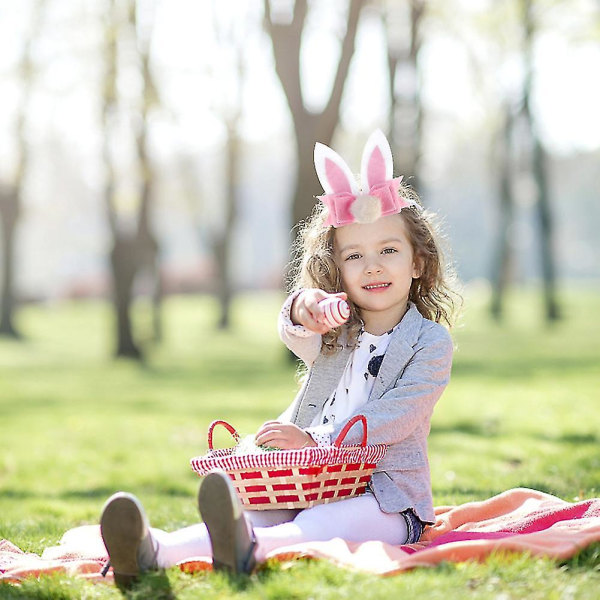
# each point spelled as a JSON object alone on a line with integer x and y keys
{"x": 75, "y": 426}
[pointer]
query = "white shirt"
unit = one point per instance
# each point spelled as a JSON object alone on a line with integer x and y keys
{"x": 357, "y": 380}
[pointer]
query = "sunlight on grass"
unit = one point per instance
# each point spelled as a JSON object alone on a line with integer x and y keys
{"x": 521, "y": 410}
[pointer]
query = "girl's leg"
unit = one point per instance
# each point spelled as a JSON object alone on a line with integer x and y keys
{"x": 357, "y": 519}
{"x": 194, "y": 541}
{"x": 268, "y": 518}
{"x": 182, "y": 544}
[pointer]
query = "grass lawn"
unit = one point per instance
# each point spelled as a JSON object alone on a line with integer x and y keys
{"x": 75, "y": 426}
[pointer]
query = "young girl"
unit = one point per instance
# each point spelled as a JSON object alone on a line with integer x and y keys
{"x": 389, "y": 362}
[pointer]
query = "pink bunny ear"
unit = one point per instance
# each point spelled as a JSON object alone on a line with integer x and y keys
{"x": 376, "y": 165}
{"x": 334, "y": 174}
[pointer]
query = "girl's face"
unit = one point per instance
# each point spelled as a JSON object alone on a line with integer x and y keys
{"x": 377, "y": 265}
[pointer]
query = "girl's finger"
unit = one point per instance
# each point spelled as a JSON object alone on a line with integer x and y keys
{"x": 314, "y": 324}
{"x": 313, "y": 309}
{"x": 269, "y": 424}
{"x": 273, "y": 443}
{"x": 269, "y": 429}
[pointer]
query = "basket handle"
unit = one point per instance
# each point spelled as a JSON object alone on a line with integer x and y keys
{"x": 348, "y": 425}
{"x": 234, "y": 434}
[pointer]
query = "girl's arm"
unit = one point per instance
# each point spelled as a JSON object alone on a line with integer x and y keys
{"x": 303, "y": 342}
{"x": 304, "y": 318}
{"x": 410, "y": 403}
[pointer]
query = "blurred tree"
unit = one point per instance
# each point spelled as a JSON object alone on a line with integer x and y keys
{"x": 403, "y": 32}
{"x": 222, "y": 241}
{"x": 134, "y": 247}
{"x": 11, "y": 193}
{"x": 539, "y": 168}
{"x": 149, "y": 101}
{"x": 229, "y": 78}
{"x": 502, "y": 255}
{"x": 9, "y": 217}
{"x": 533, "y": 167}
{"x": 309, "y": 126}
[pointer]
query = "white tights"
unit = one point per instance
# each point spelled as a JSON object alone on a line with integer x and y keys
{"x": 357, "y": 519}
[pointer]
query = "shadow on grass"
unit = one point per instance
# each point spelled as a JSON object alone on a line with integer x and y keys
{"x": 588, "y": 558}
{"x": 243, "y": 369}
{"x": 484, "y": 429}
{"x": 57, "y": 586}
{"x": 571, "y": 438}
{"x": 99, "y": 493}
{"x": 153, "y": 585}
{"x": 519, "y": 369}
{"x": 104, "y": 492}
{"x": 491, "y": 428}
{"x": 474, "y": 494}
{"x": 540, "y": 487}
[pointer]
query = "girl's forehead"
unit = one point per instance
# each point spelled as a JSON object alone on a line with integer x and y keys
{"x": 384, "y": 228}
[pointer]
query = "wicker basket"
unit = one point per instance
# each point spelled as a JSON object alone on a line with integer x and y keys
{"x": 295, "y": 478}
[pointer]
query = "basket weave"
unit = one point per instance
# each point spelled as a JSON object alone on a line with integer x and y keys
{"x": 295, "y": 478}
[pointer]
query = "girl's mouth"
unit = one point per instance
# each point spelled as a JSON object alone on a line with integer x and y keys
{"x": 376, "y": 286}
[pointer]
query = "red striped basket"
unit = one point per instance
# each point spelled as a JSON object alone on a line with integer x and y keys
{"x": 295, "y": 478}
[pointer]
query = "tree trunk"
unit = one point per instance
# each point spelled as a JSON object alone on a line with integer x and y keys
{"x": 406, "y": 107}
{"x": 147, "y": 244}
{"x": 544, "y": 214}
{"x": 10, "y": 198}
{"x": 131, "y": 250}
{"x": 309, "y": 127}
{"x": 9, "y": 215}
{"x": 307, "y": 183}
{"x": 230, "y": 33}
{"x": 123, "y": 256}
{"x": 502, "y": 260}
{"x": 124, "y": 267}
{"x": 540, "y": 174}
{"x": 222, "y": 245}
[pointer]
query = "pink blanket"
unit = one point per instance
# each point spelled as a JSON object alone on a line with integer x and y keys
{"x": 518, "y": 520}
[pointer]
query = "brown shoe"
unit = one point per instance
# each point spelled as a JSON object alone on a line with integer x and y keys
{"x": 231, "y": 534}
{"x": 126, "y": 535}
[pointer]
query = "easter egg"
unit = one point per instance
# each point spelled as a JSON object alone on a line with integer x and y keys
{"x": 335, "y": 310}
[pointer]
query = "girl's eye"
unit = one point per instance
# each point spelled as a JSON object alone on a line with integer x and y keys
{"x": 353, "y": 256}
{"x": 389, "y": 251}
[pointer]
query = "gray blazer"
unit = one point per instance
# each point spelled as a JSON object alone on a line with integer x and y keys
{"x": 412, "y": 377}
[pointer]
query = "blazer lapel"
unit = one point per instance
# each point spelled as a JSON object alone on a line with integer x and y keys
{"x": 399, "y": 351}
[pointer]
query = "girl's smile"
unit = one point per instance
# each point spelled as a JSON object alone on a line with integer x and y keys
{"x": 376, "y": 287}
{"x": 377, "y": 266}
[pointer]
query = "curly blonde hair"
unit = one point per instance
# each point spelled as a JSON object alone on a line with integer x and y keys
{"x": 314, "y": 266}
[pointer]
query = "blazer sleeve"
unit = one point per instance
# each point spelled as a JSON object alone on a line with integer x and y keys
{"x": 305, "y": 344}
{"x": 400, "y": 410}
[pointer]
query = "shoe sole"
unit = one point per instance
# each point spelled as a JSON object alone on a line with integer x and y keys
{"x": 222, "y": 514}
{"x": 122, "y": 527}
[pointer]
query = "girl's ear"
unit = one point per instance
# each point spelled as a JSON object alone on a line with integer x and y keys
{"x": 334, "y": 174}
{"x": 377, "y": 165}
{"x": 417, "y": 268}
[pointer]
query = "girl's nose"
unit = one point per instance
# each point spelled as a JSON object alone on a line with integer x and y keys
{"x": 373, "y": 267}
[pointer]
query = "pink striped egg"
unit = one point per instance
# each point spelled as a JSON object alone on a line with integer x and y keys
{"x": 335, "y": 310}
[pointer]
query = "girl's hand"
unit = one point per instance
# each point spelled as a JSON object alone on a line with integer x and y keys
{"x": 286, "y": 436}
{"x": 307, "y": 312}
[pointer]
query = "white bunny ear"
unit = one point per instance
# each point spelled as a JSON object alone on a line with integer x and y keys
{"x": 377, "y": 165}
{"x": 334, "y": 174}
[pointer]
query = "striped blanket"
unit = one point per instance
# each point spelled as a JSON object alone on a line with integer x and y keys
{"x": 518, "y": 520}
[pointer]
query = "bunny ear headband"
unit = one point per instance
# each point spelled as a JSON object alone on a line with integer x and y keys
{"x": 345, "y": 202}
